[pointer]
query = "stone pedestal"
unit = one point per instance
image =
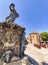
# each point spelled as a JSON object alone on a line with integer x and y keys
{"x": 10, "y": 36}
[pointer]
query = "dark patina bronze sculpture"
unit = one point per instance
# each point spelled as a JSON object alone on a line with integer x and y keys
{"x": 13, "y": 15}
{"x": 12, "y": 37}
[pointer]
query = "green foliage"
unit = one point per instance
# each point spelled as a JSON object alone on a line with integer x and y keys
{"x": 44, "y": 36}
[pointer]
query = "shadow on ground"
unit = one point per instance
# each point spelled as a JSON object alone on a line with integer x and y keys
{"x": 15, "y": 59}
{"x": 45, "y": 63}
{"x": 32, "y": 60}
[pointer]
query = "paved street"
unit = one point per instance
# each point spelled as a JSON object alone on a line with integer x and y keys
{"x": 14, "y": 61}
{"x": 37, "y": 55}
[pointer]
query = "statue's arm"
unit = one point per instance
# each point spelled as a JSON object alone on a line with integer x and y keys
{"x": 8, "y": 17}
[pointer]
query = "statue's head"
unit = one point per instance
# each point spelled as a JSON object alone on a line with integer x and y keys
{"x": 11, "y": 6}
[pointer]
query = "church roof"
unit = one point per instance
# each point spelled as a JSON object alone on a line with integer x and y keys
{"x": 34, "y": 33}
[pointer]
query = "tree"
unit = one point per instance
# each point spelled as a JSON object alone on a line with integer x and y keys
{"x": 44, "y": 36}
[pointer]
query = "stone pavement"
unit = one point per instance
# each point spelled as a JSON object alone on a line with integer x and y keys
{"x": 17, "y": 61}
{"x": 37, "y": 55}
{"x": 14, "y": 61}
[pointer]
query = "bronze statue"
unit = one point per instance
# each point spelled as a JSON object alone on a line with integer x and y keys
{"x": 13, "y": 15}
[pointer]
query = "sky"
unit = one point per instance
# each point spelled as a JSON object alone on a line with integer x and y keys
{"x": 33, "y": 14}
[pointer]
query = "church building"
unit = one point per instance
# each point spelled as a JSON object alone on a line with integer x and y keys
{"x": 33, "y": 38}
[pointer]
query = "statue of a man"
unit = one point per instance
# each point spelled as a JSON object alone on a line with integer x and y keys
{"x": 13, "y": 15}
